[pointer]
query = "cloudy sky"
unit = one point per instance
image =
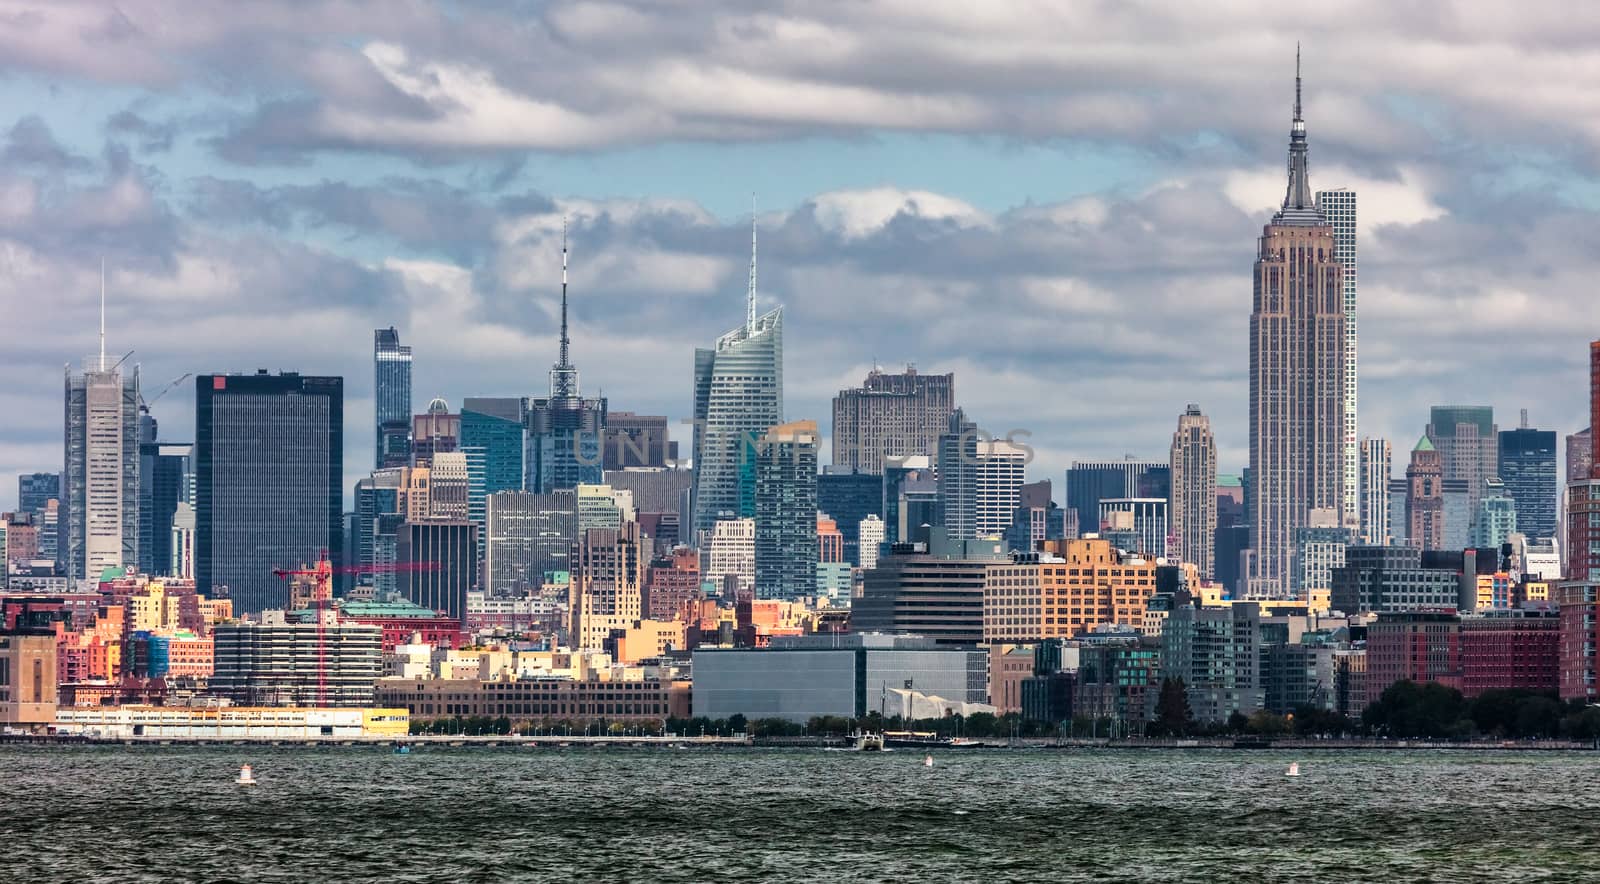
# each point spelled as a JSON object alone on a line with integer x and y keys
{"x": 1058, "y": 202}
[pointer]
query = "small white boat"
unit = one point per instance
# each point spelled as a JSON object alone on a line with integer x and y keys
{"x": 247, "y": 777}
{"x": 1294, "y": 769}
{"x": 927, "y": 761}
{"x": 869, "y": 743}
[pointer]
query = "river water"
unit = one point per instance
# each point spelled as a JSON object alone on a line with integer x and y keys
{"x": 74, "y": 813}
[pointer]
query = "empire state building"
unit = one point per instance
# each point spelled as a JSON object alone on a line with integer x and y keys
{"x": 1297, "y": 376}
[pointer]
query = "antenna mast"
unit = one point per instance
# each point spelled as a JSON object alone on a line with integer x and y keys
{"x": 102, "y": 365}
{"x": 750, "y": 297}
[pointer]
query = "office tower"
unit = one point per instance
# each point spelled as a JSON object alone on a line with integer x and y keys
{"x": 830, "y": 543}
{"x": 438, "y": 564}
{"x": 730, "y": 552}
{"x": 565, "y": 431}
{"x": 1194, "y": 492}
{"x": 1033, "y": 525}
{"x": 1136, "y": 524}
{"x": 1425, "y": 516}
{"x": 278, "y": 662}
{"x": 607, "y": 589}
{"x": 601, "y": 506}
{"x": 1318, "y": 550}
{"x": 269, "y": 481}
{"x": 1297, "y": 376}
{"x": 871, "y": 532}
{"x": 1376, "y": 456}
{"x": 910, "y": 498}
{"x": 1089, "y": 482}
{"x": 848, "y": 498}
{"x": 100, "y": 480}
{"x": 738, "y": 395}
{"x": 1580, "y": 598}
{"x": 166, "y": 471}
{"x": 890, "y": 415}
{"x": 35, "y": 489}
{"x": 1580, "y": 454}
{"x": 495, "y": 427}
{"x": 378, "y": 495}
{"x": 1468, "y": 443}
{"x": 1216, "y": 653}
{"x": 391, "y": 366}
{"x": 434, "y": 432}
{"x": 638, "y": 441}
{"x": 529, "y": 535}
{"x": 672, "y": 581}
{"x": 181, "y": 545}
{"x": 980, "y": 480}
{"x": 448, "y": 486}
{"x": 1339, "y": 207}
{"x": 1497, "y": 517}
{"x": 786, "y": 511}
{"x": 1528, "y": 469}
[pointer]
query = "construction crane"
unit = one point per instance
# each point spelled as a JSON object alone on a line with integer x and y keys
{"x": 168, "y": 388}
{"x": 322, "y": 599}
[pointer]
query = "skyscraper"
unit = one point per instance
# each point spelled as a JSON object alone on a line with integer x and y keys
{"x": 890, "y": 415}
{"x": 1528, "y": 469}
{"x": 980, "y": 480}
{"x": 638, "y": 441}
{"x": 1425, "y": 503}
{"x": 441, "y": 564}
{"x": 565, "y": 431}
{"x": 1468, "y": 442}
{"x": 436, "y": 431}
{"x": 100, "y": 479}
{"x": 166, "y": 472}
{"x": 35, "y": 489}
{"x": 1194, "y": 492}
{"x": 1339, "y": 207}
{"x": 786, "y": 511}
{"x": 269, "y": 479}
{"x": 1376, "y": 465}
{"x": 738, "y": 395}
{"x": 529, "y": 535}
{"x": 1089, "y": 482}
{"x": 391, "y": 388}
{"x": 1297, "y": 375}
{"x": 1580, "y": 454}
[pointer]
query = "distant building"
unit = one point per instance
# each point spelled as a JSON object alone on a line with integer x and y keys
{"x": 166, "y": 478}
{"x": 1403, "y": 578}
{"x": 391, "y": 363}
{"x": 27, "y": 677}
{"x": 492, "y": 431}
{"x": 528, "y": 535}
{"x": 799, "y": 678}
{"x": 1375, "y": 472}
{"x": 1425, "y": 497}
{"x": 439, "y": 564}
{"x": 634, "y": 441}
{"x": 1338, "y": 206}
{"x": 608, "y": 578}
{"x": 1528, "y": 468}
{"x": 848, "y": 498}
{"x": 276, "y": 662}
{"x": 1140, "y": 524}
{"x": 1418, "y": 646}
{"x": 1497, "y": 518}
{"x": 100, "y": 476}
{"x": 1089, "y": 482}
{"x": 910, "y": 498}
{"x": 890, "y": 416}
{"x": 34, "y": 490}
{"x": 671, "y": 582}
{"x": 980, "y": 480}
{"x": 935, "y": 590}
{"x": 269, "y": 480}
{"x": 1194, "y": 492}
{"x": 730, "y": 553}
{"x": 786, "y": 511}
{"x": 1469, "y": 445}
{"x": 1217, "y": 654}
{"x": 1510, "y": 650}
{"x": 1069, "y": 588}
{"x": 871, "y": 532}
{"x": 1318, "y": 550}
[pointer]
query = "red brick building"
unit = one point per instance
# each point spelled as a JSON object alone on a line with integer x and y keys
{"x": 1419, "y": 646}
{"x": 1519, "y": 649}
{"x": 672, "y": 582}
{"x": 1580, "y": 597}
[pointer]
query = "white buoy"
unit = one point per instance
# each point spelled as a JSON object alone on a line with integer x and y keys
{"x": 247, "y": 777}
{"x": 927, "y": 761}
{"x": 1294, "y": 769}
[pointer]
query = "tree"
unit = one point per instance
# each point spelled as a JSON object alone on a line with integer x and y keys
{"x": 1238, "y": 722}
{"x": 1173, "y": 718}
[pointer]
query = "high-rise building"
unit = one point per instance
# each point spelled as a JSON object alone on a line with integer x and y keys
{"x": 1376, "y": 457}
{"x": 391, "y": 365}
{"x": 849, "y": 498}
{"x": 1425, "y": 497}
{"x": 608, "y": 578}
{"x": 1089, "y": 482}
{"x": 1497, "y": 517}
{"x": 638, "y": 441}
{"x": 438, "y": 564}
{"x": 1194, "y": 492}
{"x": 1297, "y": 375}
{"x": 1528, "y": 469}
{"x": 34, "y": 490}
{"x": 1073, "y": 587}
{"x": 1580, "y": 454}
{"x": 1137, "y": 524}
{"x": 492, "y": 431}
{"x": 786, "y": 511}
{"x": 1468, "y": 443}
{"x": 100, "y": 479}
{"x": 530, "y": 535}
{"x": 1339, "y": 207}
{"x": 910, "y": 498}
{"x": 269, "y": 480}
{"x": 565, "y": 431}
{"x": 436, "y": 431}
{"x": 890, "y": 415}
{"x": 871, "y": 539}
{"x": 730, "y": 552}
{"x": 1216, "y": 653}
{"x": 166, "y": 474}
{"x": 1580, "y": 598}
{"x": 279, "y": 662}
{"x": 738, "y": 395}
{"x": 980, "y": 480}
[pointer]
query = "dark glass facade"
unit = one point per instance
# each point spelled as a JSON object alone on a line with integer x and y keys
{"x": 1528, "y": 468}
{"x": 392, "y": 394}
{"x": 269, "y": 456}
{"x": 164, "y": 470}
{"x": 563, "y": 447}
{"x": 34, "y": 490}
{"x": 848, "y": 498}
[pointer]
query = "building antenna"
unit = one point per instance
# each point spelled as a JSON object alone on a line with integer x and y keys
{"x": 563, "y": 377}
{"x": 750, "y": 297}
{"x": 102, "y": 364}
{"x": 1297, "y": 80}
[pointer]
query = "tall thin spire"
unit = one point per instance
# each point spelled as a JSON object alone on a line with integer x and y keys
{"x": 102, "y": 365}
{"x": 750, "y": 297}
{"x": 1299, "y": 202}
{"x": 563, "y": 377}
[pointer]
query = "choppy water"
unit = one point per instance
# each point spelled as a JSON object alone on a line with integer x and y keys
{"x": 468, "y": 815}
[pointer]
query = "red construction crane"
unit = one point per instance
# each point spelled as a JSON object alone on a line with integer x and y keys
{"x": 322, "y": 599}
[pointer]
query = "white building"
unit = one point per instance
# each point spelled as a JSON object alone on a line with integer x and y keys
{"x": 731, "y": 550}
{"x": 100, "y": 481}
{"x": 872, "y": 534}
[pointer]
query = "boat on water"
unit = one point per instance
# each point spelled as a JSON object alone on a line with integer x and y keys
{"x": 869, "y": 742}
{"x": 247, "y": 777}
{"x": 1294, "y": 769}
{"x": 927, "y": 761}
{"x": 402, "y": 748}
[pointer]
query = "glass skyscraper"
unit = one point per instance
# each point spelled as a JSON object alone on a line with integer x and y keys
{"x": 738, "y": 395}
{"x": 786, "y": 511}
{"x": 1528, "y": 469}
{"x": 165, "y": 480}
{"x": 391, "y": 392}
{"x": 100, "y": 476}
{"x": 269, "y": 458}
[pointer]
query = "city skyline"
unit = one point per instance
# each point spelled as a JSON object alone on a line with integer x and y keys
{"x": 204, "y": 242}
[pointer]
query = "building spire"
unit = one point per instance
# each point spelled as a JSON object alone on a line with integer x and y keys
{"x": 1299, "y": 202}
{"x": 563, "y": 377}
{"x": 102, "y": 366}
{"x": 750, "y": 297}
